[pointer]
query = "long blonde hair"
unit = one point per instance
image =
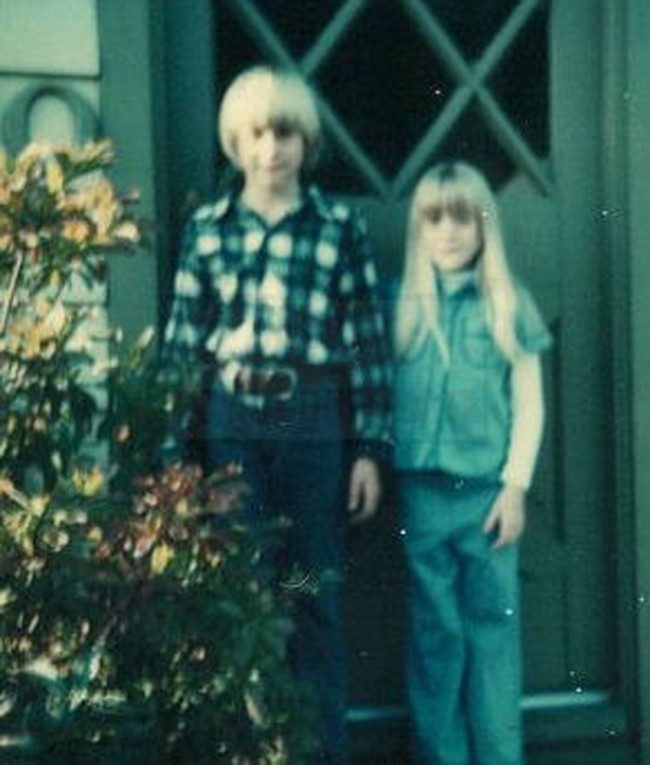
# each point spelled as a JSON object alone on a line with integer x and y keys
{"x": 450, "y": 187}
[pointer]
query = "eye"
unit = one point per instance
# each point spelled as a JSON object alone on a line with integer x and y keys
{"x": 462, "y": 213}
{"x": 432, "y": 214}
{"x": 283, "y": 129}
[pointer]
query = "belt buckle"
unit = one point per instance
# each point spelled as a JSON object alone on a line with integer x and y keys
{"x": 281, "y": 375}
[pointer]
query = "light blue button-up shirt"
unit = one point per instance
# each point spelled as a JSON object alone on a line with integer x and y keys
{"x": 456, "y": 417}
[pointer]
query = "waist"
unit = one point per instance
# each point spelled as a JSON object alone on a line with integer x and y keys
{"x": 257, "y": 382}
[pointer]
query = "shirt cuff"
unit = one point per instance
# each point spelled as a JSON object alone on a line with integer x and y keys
{"x": 379, "y": 451}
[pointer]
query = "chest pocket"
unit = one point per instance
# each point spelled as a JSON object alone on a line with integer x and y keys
{"x": 477, "y": 345}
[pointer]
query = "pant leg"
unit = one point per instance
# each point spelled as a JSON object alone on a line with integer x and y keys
{"x": 292, "y": 457}
{"x": 308, "y": 477}
{"x": 436, "y": 656}
{"x": 491, "y": 613}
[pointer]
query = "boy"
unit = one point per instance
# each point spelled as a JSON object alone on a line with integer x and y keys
{"x": 275, "y": 293}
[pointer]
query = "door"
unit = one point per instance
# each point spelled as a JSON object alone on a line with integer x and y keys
{"x": 510, "y": 87}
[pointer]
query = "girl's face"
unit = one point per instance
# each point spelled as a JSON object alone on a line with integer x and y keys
{"x": 449, "y": 236}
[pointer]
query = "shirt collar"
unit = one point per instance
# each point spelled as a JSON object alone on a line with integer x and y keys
{"x": 455, "y": 283}
{"x": 313, "y": 198}
{"x": 323, "y": 206}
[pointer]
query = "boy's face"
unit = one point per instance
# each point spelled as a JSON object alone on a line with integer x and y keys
{"x": 271, "y": 156}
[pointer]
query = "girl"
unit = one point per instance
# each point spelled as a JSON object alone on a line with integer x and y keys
{"x": 469, "y": 416}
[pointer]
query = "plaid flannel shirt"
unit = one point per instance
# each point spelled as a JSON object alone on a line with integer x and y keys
{"x": 302, "y": 291}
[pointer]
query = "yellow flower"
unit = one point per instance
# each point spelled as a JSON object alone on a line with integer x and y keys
{"x": 161, "y": 557}
{"x": 53, "y": 176}
{"x": 126, "y": 232}
{"x": 96, "y": 199}
{"x": 88, "y": 484}
{"x": 122, "y": 434}
{"x": 145, "y": 338}
{"x": 5, "y": 188}
{"x": 76, "y": 230}
{"x": 98, "y": 151}
{"x": 7, "y": 487}
{"x": 6, "y": 597}
{"x": 95, "y": 534}
{"x": 55, "y": 319}
{"x": 28, "y": 238}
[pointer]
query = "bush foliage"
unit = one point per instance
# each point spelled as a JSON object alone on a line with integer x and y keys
{"x": 132, "y": 615}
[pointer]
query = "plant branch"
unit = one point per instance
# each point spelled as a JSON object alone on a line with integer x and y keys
{"x": 13, "y": 284}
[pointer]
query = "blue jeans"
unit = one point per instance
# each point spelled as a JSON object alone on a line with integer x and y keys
{"x": 463, "y": 666}
{"x": 293, "y": 460}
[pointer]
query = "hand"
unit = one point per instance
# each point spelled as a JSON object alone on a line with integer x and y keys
{"x": 507, "y": 516}
{"x": 365, "y": 489}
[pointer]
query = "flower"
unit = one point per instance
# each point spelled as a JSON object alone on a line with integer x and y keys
{"x": 161, "y": 556}
{"x": 88, "y": 484}
{"x": 59, "y": 209}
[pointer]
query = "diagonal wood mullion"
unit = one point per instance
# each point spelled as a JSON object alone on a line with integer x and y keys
{"x": 508, "y": 33}
{"x": 262, "y": 33}
{"x": 332, "y": 35}
{"x": 498, "y": 121}
{"x": 437, "y": 132}
{"x": 513, "y": 142}
{"x": 439, "y": 41}
{"x": 353, "y": 150}
{"x": 266, "y": 38}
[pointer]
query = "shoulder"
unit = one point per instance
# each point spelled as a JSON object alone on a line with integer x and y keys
{"x": 531, "y": 329}
{"x": 332, "y": 209}
{"x": 525, "y": 301}
{"x": 203, "y": 232}
{"x": 211, "y": 213}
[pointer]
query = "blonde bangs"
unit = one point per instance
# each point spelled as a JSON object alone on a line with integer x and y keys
{"x": 457, "y": 189}
{"x": 262, "y": 97}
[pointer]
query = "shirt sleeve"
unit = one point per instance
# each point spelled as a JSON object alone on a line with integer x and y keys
{"x": 183, "y": 340}
{"x": 532, "y": 333}
{"x": 365, "y": 339}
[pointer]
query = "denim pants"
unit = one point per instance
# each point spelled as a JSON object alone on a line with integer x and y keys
{"x": 463, "y": 664}
{"x": 292, "y": 457}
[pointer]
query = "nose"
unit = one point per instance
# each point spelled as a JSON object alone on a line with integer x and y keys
{"x": 269, "y": 143}
{"x": 448, "y": 224}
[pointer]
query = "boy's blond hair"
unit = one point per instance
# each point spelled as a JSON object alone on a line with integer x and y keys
{"x": 453, "y": 187}
{"x": 263, "y": 96}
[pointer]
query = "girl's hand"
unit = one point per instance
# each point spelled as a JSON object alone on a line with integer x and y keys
{"x": 507, "y": 517}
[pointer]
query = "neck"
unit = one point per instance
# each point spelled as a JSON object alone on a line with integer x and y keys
{"x": 271, "y": 204}
{"x": 453, "y": 281}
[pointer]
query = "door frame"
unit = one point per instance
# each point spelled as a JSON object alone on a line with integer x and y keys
{"x": 625, "y": 174}
{"x": 633, "y": 117}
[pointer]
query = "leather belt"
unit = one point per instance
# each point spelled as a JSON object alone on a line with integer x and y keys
{"x": 259, "y": 382}
{"x": 277, "y": 382}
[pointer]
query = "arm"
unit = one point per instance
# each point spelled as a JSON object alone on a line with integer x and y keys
{"x": 366, "y": 345}
{"x": 507, "y": 516}
{"x": 182, "y": 342}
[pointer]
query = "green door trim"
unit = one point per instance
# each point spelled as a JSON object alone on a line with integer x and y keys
{"x": 132, "y": 116}
{"x": 637, "y": 66}
{"x": 617, "y": 244}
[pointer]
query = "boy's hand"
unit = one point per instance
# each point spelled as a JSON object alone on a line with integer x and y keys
{"x": 507, "y": 517}
{"x": 365, "y": 489}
